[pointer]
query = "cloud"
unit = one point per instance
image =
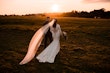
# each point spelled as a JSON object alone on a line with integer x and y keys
{"x": 95, "y": 1}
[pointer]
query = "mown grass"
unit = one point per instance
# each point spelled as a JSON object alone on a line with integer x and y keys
{"x": 87, "y": 49}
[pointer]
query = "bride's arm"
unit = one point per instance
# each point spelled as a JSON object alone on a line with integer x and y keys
{"x": 62, "y": 33}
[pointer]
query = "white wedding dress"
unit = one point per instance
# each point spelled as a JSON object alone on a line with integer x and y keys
{"x": 49, "y": 54}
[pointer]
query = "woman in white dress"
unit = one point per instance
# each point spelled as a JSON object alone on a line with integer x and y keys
{"x": 49, "y": 54}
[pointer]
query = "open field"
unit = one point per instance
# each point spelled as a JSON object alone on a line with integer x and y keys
{"x": 87, "y": 49}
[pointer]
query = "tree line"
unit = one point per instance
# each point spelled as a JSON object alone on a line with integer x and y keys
{"x": 101, "y": 13}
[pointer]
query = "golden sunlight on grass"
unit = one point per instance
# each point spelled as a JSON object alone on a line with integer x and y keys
{"x": 87, "y": 49}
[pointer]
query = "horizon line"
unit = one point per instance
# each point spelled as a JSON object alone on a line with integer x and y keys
{"x": 53, "y": 12}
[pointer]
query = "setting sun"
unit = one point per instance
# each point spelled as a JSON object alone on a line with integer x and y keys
{"x": 55, "y": 8}
{"x": 46, "y": 6}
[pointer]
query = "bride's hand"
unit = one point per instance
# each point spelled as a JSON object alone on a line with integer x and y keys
{"x": 65, "y": 35}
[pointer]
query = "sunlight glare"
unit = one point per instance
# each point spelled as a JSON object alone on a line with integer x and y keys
{"x": 55, "y": 8}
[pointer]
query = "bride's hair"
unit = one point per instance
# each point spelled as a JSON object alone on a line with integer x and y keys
{"x": 55, "y": 23}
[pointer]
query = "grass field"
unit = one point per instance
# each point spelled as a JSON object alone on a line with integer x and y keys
{"x": 87, "y": 49}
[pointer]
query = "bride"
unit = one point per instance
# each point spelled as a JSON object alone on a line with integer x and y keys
{"x": 49, "y": 54}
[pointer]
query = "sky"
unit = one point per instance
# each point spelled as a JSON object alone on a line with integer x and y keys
{"x": 46, "y": 6}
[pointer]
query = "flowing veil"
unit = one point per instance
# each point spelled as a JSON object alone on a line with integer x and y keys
{"x": 35, "y": 43}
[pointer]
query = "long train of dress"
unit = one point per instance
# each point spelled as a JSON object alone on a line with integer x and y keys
{"x": 35, "y": 43}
